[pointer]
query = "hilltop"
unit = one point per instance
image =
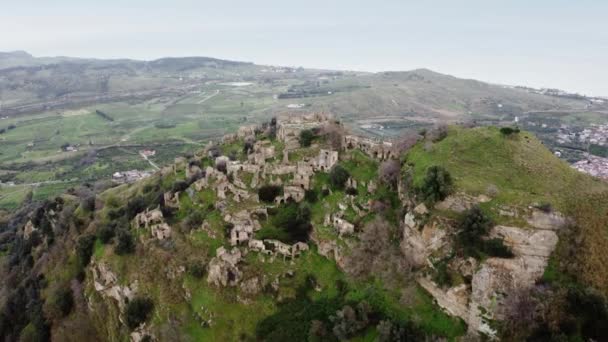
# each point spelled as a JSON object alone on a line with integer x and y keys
{"x": 297, "y": 229}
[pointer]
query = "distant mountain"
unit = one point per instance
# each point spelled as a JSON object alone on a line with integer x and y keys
{"x": 30, "y": 84}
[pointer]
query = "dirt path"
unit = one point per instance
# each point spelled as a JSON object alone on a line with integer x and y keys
{"x": 208, "y": 97}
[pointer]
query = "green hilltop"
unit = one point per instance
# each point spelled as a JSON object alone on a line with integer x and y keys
{"x": 93, "y": 269}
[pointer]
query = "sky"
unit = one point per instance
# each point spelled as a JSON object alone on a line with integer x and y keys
{"x": 539, "y": 43}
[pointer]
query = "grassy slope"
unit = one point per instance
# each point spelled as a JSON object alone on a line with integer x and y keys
{"x": 525, "y": 173}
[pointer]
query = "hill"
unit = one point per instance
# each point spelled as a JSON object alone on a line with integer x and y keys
{"x": 275, "y": 234}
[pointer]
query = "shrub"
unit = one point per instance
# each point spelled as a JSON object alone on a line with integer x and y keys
{"x": 221, "y": 167}
{"x": 179, "y": 186}
{"x": 497, "y": 248}
{"x": 306, "y": 137}
{"x": 62, "y": 300}
{"x": 135, "y": 206}
{"x": 138, "y": 311}
{"x": 376, "y": 255}
{"x": 193, "y": 221}
{"x": 88, "y": 203}
{"x": 115, "y": 214}
{"x": 473, "y": 227}
{"x": 338, "y": 176}
{"x": 389, "y": 173}
{"x": 84, "y": 248}
{"x": 349, "y": 321}
{"x": 125, "y": 243}
{"x": 437, "y": 184}
{"x": 105, "y": 233}
{"x": 311, "y": 196}
{"x": 352, "y": 191}
{"x": 196, "y": 269}
{"x": 438, "y": 133}
{"x": 509, "y": 130}
{"x": 545, "y": 207}
{"x": 268, "y": 193}
{"x": 290, "y": 223}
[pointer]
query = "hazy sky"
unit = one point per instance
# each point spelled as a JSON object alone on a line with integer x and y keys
{"x": 541, "y": 43}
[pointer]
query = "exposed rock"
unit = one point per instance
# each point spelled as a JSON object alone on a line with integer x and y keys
{"x": 418, "y": 245}
{"x": 542, "y": 220}
{"x": 223, "y": 269}
{"x": 251, "y": 286}
{"x": 28, "y": 229}
{"x": 421, "y": 209}
{"x": 106, "y": 283}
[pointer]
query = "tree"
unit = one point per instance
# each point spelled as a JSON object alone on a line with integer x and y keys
{"x": 125, "y": 243}
{"x": 138, "y": 311}
{"x": 268, "y": 193}
{"x": 88, "y": 203}
{"x": 105, "y": 233}
{"x": 406, "y": 142}
{"x": 84, "y": 248}
{"x": 306, "y": 137}
{"x": 61, "y": 300}
{"x": 473, "y": 227}
{"x": 389, "y": 173}
{"x": 437, "y": 184}
{"x": 135, "y": 206}
{"x": 375, "y": 255}
{"x": 338, "y": 176}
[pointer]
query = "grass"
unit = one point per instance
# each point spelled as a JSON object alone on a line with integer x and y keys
{"x": 522, "y": 169}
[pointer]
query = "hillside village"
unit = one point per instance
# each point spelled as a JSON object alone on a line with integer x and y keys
{"x": 232, "y": 182}
{"x": 248, "y": 214}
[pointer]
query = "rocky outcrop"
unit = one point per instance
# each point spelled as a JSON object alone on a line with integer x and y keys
{"x": 546, "y": 220}
{"x": 223, "y": 270}
{"x": 418, "y": 244}
{"x": 496, "y": 277}
{"x": 461, "y": 202}
{"x": 106, "y": 283}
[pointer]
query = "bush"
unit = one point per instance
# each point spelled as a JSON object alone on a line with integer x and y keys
{"x": 437, "y": 184}
{"x": 88, "y": 203}
{"x": 84, "y": 248}
{"x": 438, "y": 133}
{"x": 105, "y": 233}
{"x": 497, "y": 248}
{"x": 338, "y": 176}
{"x": 268, "y": 193}
{"x": 138, "y": 311}
{"x": 290, "y": 223}
{"x": 473, "y": 227}
{"x": 196, "y": 269}
{"x": 193, "y": 221}
{"x": 509, "y": 130}
{"x": 179, "y": 186}
{"x": 306, "y": 138}
{"x": 545, "y": 207}
{"x": 62, "y": 300}
{"x": 115, "y": 214}
{"x": 352, "y": 191}
{"x": 311, "y": 196}
{"x": 125, "y": 243}
{"x": 135, "y": 206}
{"x": 389, "y": 173}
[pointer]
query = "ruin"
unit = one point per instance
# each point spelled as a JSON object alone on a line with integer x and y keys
{"x": 381, "y": 150}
